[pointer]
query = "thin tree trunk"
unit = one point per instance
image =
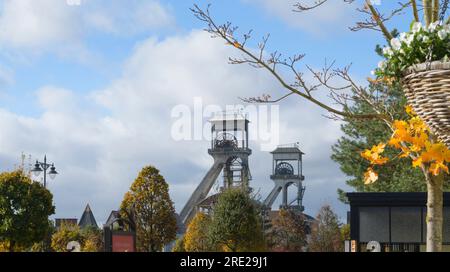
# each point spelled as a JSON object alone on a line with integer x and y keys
{"x": 434, "y": 218}
{"x": 379, "y": 21}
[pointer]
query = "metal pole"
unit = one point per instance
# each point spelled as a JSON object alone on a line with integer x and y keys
{"x": 45, "y": 186}
{"x": 45, "y": 171}
{"x": 285, "y": 195}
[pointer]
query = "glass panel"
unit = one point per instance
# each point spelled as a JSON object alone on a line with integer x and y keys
{"x": 405, "y": 224}
{"x": 374, "y": 224}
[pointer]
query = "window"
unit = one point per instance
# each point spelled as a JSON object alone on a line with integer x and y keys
{"x": 374, "y": 224}
{"x": 406, "y": 224}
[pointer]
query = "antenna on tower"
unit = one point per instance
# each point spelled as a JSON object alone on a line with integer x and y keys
{"x": 29, "y": 165}
{"x": 22, "y": 162}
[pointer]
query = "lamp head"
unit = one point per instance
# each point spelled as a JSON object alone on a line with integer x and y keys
{"x": 52, "y": 172}
{"x": 37, "y": 169}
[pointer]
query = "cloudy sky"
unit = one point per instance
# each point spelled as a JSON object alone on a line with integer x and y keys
{"x": 93, "y": 85}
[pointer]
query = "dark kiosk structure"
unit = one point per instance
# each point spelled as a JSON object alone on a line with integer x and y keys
{"x": 393, "y": 222}
{"x": 119, "y": 234}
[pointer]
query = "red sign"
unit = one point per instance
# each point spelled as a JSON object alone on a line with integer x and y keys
{"x": 122, "y": 243}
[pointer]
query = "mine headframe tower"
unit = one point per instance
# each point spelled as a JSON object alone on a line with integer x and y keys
{"x": 287, "y": 172}
{"x": 230, "y": 151}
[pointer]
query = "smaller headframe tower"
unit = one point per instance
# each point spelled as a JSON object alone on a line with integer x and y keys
{"x": 286, "y": 171}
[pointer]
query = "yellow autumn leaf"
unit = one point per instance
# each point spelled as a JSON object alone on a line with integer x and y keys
{"x": 409, "y": 110}
{"x": 395, "y": 142}
{"x": 404, "y": 155}
{"x": 435, "y": 152}
{"x": 447, "y": 155}
{"x": 400, "y": 124}
{"x": 370, "y": 176}
{"x": 436, "y": 168}
{"x": 373, "y": 155}
{"x": 417, "y": 162}
{"x": 237, "y": 44}
{"x": 380, "y": 161}
{"x": 415, "y": 147}
{"x": 379, "y": 148}
{"x": 366, "y": 154}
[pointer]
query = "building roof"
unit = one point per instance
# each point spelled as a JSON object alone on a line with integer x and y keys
{"x": 392, "y": 199}
{"x": 112, "y": 216}
{"x": 274, "y": 214}
{"x": 229, "y": 116}
{"x": 66, "y": 221}
{"x": 290, "y": 149}
{"x": 87, "y": 219}
{"x": 209, "y": 201}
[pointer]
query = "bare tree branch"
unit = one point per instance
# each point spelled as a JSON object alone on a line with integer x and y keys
{"x": 302, "y": 7}
{"x": 375, "y": 19}
{"x": 265, "y": 99}
{"x": 274, "y": 60}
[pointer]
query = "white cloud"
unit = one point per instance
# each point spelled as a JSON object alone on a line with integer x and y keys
{"x": 330, "y": 18}
{"x": 49, "y": 25}
{"x": 6, "y": 76}
{"x": 141, "y": 16}
{"x": 37, "y": 24}
{"x": 99, "y": 154}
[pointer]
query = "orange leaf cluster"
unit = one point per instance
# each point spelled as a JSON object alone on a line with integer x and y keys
{"x": 413, "y": 138}
{"x": 374, "y": 155}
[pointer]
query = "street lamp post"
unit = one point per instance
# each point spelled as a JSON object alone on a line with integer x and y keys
{"x": 40, "y": 167}
{"x": 43, "y": 167}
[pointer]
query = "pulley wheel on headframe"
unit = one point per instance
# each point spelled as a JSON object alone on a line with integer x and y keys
{"x": 226, "y": 140}
{"x": 284, "y": 168}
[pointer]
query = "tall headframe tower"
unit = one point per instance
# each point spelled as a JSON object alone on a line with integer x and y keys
{"x": 287, "y": 172}
{"x": 229, "y": 148}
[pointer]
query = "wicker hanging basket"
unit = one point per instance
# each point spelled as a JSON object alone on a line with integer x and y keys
{"x": 427, "y": 89}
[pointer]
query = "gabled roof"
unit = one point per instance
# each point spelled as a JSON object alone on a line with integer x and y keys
{"x": 112, "y": 216}
{"x": 87, "y": 219}
{"x": 209, "y": 201}
{"x": 229, "y": 116}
